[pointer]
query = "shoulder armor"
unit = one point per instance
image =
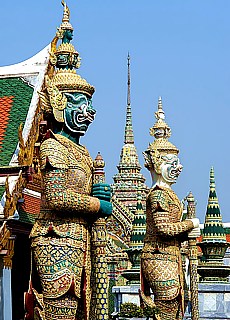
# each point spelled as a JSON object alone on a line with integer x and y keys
{"x": 55, "y": 153}
{"x": 158, "y": 198}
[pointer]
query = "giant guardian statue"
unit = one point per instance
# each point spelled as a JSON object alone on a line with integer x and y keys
{"x": 71, "y": 203}
{"x": 161, "y": 262}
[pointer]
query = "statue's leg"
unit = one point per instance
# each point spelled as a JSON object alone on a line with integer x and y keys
{"x": 161, "y": 274}
{"x": 59, "y": 264}
{"x": 62, "y": 308}
{"x": 169, "y": 310}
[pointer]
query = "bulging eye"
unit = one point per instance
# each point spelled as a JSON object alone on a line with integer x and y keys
{"x": 175, "y": 164}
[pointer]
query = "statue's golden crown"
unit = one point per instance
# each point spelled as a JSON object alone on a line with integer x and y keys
{"x": 160, "y": 146}
{"x": 62, "y": 76}
{"x": 67, "y": 80}
{"x": 66, "y": 48}
{"x": 163, "y": 146}
{"x": 65, "y": 59}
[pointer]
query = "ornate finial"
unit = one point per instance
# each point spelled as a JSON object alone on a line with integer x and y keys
{"x": 129, "y": 137}
{"x": 128, "y": 93}
{"x": 160, "y": 128}
{"x": 98, "y": 169}
{"x": 65, "y": 25}
{"x": 212, "y": 180}
{"x": 99, "y": 162}
{"x": 191, "y": 208}
{"x": 159, "y": 114}
{"x": 160, "y": 146}
{"x": 190, "y": 197}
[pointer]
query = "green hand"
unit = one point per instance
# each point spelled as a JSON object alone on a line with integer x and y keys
{"x": 102, "y": 191}
{"x": 105, "y": 208}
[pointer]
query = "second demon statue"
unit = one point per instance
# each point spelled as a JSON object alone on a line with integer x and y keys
{"x": 161, "y": 259}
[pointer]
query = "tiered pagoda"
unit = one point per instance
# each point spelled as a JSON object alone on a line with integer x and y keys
{"x": 128, "y": 199}
{"x": 136, "y": 243}
{"x": 129, "y": 179}
{"x": 213, "y": 244}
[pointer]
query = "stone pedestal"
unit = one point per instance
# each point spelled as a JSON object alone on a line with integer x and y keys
{"x": 126, "y": 294}
{"x": 214, "y": 301}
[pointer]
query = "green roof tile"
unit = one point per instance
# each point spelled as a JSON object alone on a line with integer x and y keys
{"x": 2, "y": 190}
{"x": 27, "y": 217}
{"x": 21, "y": 94}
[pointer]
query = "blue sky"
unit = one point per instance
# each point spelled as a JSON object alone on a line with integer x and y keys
{"x": 180, "y": 50}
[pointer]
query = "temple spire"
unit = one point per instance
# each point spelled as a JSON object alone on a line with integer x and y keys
{"x": 129, "y": 137}
{"x": 213, "y": 226}
{"x": 128, "y": 178}
{"x": 214, "y": 243}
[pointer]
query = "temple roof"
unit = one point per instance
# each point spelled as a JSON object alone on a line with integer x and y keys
{"x": 19, "y": 86}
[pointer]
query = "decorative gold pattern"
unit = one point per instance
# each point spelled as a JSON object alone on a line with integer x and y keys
{"x": 26, "y": 149}
{"x": 193, "y": 261}
{"x": 99, "y": 279}
{"x": 7, "y": 259}
{"x": 60, "y": 236}
{"x": 12, "y": 197}
{"x": 6, "y": 245}
{"x": 69, "y": 81}
{"x": 63, "y": 308}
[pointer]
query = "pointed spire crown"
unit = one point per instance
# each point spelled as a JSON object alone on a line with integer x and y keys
{"x": 129, "y": 137}
{"x": 212, "y": 184}
{"x": 66, "y": 25}
{"x": 213, "y": 200}
{"x": 160, "y": 146}
{"x": 160, "y": 129}
{"x": 61, "y": 75}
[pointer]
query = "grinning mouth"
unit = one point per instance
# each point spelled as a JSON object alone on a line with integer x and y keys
{"x": 83, "y": 117}
{"x": 175, "y": 173}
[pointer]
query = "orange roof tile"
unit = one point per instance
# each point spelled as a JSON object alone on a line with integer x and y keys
{"x": 5, "y": 106}
{"x": 31, "y": 204}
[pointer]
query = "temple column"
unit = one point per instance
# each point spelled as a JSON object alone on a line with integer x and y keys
{"x": 6, "y": 294}
{"x": 5, "y": 280}
{"x": 5, "y": 291}
{"x": 1, "y": 287}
